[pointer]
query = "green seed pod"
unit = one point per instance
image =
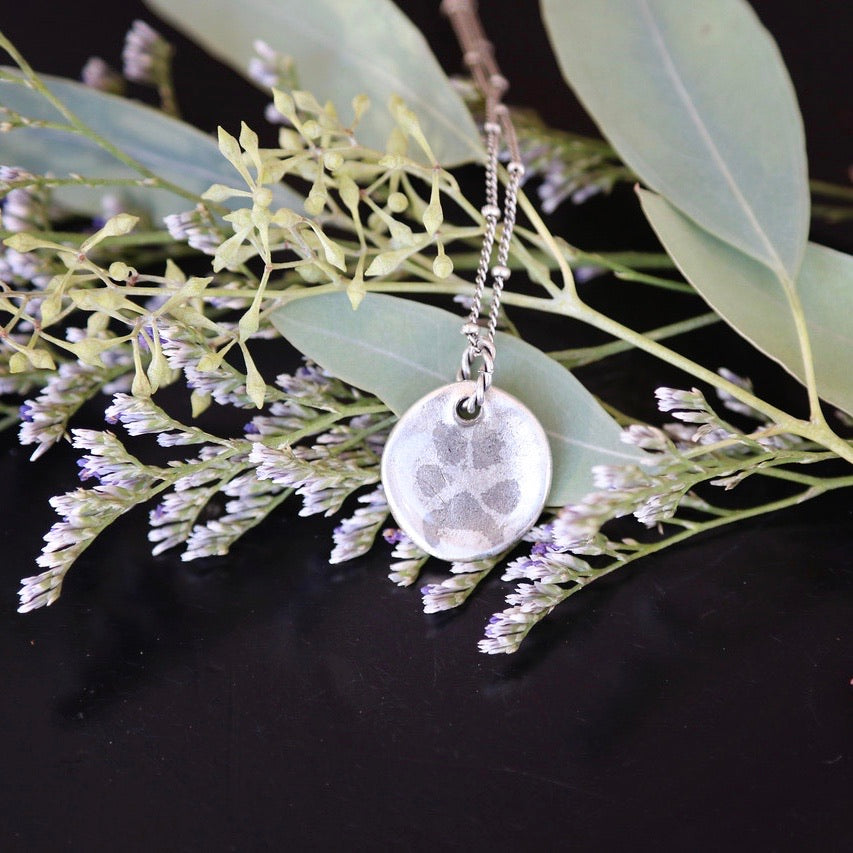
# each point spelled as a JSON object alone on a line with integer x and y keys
{"x": 349, "y": 192}
{"x": 360, "y": 105}
{"x": 375, "y": 222}
{"x": 18, "y": 363}
{"x": 433, "y": 215}
{"x": 398, "y": 202}
{"x": 311, "y": 273}
{"x": 290, "y": 140}
{"x": 284, "y": 104}
{"x": 263, "y": 196}
{"x": 442, "y": 266}
{"x": 120, "y": 272}
{"x": 315, "y": 203}
{"x": 311, "y": 129}
{"x": 199, "y": 403}
{"x": 333, "y": 160}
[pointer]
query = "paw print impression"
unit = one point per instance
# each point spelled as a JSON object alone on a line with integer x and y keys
{"x": 467, "y": 490}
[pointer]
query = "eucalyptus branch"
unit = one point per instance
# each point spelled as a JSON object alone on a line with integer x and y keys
{"x": 571, "y": 305}
{"x": 134, "y": 239}
{"x": 83, "y": 129}
{"x": 86, "y": 313}
{"x": 587, "y": 355}
{"x": 625, "y": 262}
{"x": 50, "y": 182}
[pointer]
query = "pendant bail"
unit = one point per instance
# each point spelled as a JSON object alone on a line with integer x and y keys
{"x": 485, "y": 351}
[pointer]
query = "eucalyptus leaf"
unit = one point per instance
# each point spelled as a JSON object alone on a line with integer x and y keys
{"x": 751, "y": 299}
{"x": 695, "y": 98}
{"x": 172, "y": 149}
{"x": 341, "y": 48}
{"x": 401, "y": 350}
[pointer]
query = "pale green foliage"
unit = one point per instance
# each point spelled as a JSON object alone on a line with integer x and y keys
{"x": 401, "y": 350}
{"x": 342, "y": 49}
{"x": 679, "y": 112}
{"x": 113, "y": 312}
{"x": 746, "y": 293}
{"x": 186, "y": 161}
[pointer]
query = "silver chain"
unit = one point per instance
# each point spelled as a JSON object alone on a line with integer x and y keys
{"x": 478, "y": 55}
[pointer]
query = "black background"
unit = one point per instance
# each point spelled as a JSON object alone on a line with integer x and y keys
{"x": 698, "y": 701}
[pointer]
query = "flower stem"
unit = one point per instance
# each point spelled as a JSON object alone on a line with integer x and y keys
{"x": 83, "y": 129}
{"x": 570, "y": 304}
{"x": 587, "y": 355}
{"x": 692, "y": 528}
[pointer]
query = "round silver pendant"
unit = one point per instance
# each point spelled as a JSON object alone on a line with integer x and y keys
{"x": 463, "y": 490}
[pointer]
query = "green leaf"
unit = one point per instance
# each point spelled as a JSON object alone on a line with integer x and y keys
{"x": 400, "y": 350}
{"x": 695, "y": 98}
{"x": 342, "y": 48}
{"x": 172, "y": 149}
{"x": 751, "y": 299}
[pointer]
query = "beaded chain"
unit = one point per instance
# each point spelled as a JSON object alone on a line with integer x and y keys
{"x": 478, "y": 55}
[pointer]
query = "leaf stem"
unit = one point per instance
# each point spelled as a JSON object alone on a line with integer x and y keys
{"x": 135, "y": 238}
{"x": 809, "y": 376}
{"x": 804, "y": 479}
{"x": 829, "y": 190}
{"x": 82, "y": 128}
{"x": 570, "y": 304}
{"x": 616, "y": 261}
{"x": 320, "y": 423}
{"x": 587, "y": 355}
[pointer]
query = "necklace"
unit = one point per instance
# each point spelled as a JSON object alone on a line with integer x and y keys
{"x": 467, "y": 468}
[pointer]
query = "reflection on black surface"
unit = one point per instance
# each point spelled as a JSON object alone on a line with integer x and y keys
{"x": 282, "y": 689}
